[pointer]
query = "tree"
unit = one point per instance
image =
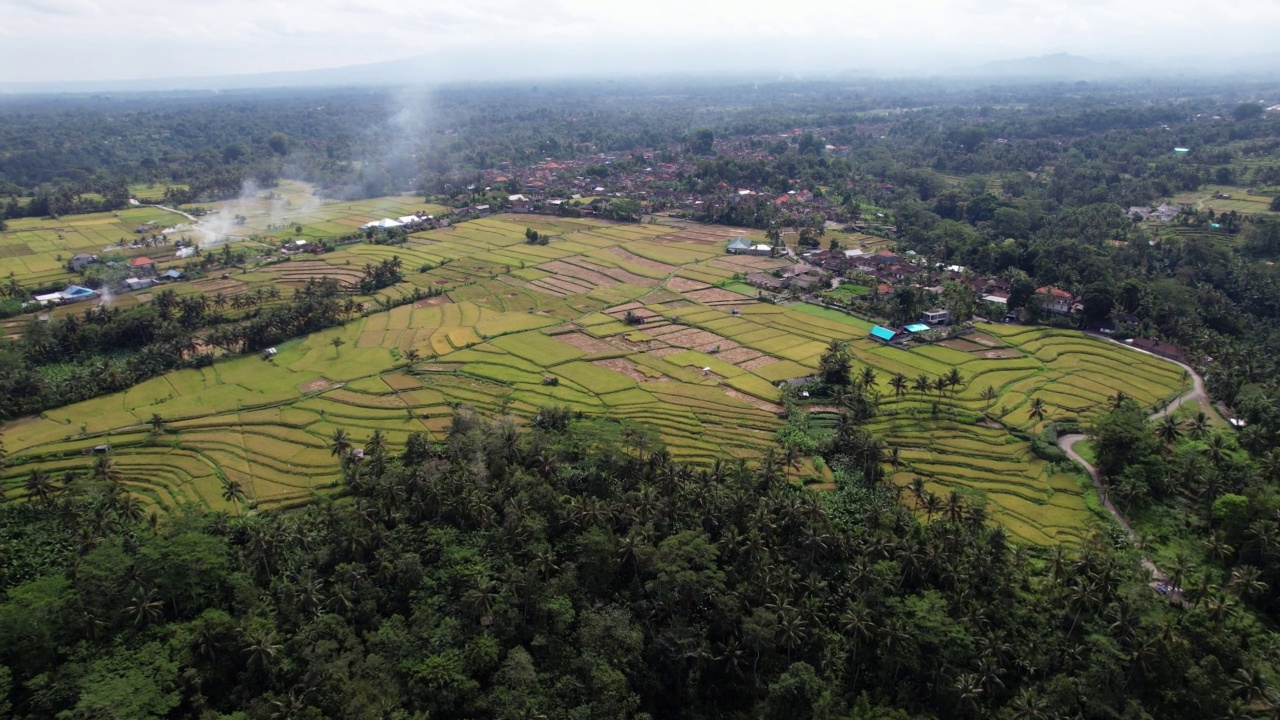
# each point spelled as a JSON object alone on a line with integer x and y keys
{"x": 954, "y": 380}
{"x": 337, "y": 343}
{"x": 233, "y": 492}
{"x": 157, "y": 424}
{"x": 1037, "y": 409}
{"x": 339, "y": 443}
{"x": 1168, "y": 430}
{"x": 1198, "y": 426}
{"x": 989, "y": 395}
{"x": 899, "y": 384}
{"x": 835, "y": 365}
{"x": 701, "y": 141}
{"x": 1247, "y": 111}
{"x": 40, "y": 486}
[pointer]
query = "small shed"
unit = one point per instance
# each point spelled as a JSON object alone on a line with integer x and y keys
{"x": 883, "y": 334}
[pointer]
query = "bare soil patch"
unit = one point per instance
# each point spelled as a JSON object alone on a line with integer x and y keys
{"x": 717, "y": 295}
{"x": 983, "y": 339}
{"x": 739, "y": 355}
{"x": 641, "y": 262}
{"x": 628, "y": 368}
{"x": 756, "y": 364}
{"x": 317, "y": 385}
{"x": 437, "y": 300}
{"x": 585, "y": 343}
{"x": 1001, "y": 354}
{"x": 693, "y": 337}
{"x": 961, "y": 345}
{"x": 664, "y": 352}
{"x": 682, "y": 285}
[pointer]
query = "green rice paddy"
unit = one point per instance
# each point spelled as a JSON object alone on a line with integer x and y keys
{"x": 523, "y": 326}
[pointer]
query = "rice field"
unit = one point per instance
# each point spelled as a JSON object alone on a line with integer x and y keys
{"x": 631, "y": 322}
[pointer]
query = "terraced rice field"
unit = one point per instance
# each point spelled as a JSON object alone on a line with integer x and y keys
{"x": 35, "y": 251}
{"x": 523, "y": 326}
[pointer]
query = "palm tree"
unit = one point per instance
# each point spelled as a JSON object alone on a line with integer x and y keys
{"x": 1118, "y": 399}
{"x": 932, "y": 504}
{"x": 261, "y": 648}
{"x": 868, "y": 376}
{"x": 921, "y": 384}
{"x": 990, "y": 396}
{"x": 940, "y": 385}
{"x": 917, "y": 490}
{"x": 1037, "y": 409}
{"x": 39, "y": 486}
{"x": 377, "y": 443}
{"x": 954, "y": 380}
{"x": 899, "y": 384}
{"x": 1217, "y": 449}
{"x": 340, "y": 443}
{"x": 233, "y": 492}
{"x": 157, "y": 424}
{"x": 1168, "y": 430}
{"x": 1198, "y": 427}
{"x": 955, "y": 506}
{"x": 105, "y": 469}
{"x": 412, "y": 355}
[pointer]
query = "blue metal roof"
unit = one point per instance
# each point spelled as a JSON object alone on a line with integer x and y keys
{"x": 881, "y": 333}
{"x": 917, "y": 328}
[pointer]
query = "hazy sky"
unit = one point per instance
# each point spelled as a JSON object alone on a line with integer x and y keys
{"x": 44, "y": 40}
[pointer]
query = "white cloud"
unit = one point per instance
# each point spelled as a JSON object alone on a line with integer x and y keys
{"x": 85, "y": 40}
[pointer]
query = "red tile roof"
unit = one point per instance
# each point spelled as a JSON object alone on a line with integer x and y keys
{"x": 140, "y": 261}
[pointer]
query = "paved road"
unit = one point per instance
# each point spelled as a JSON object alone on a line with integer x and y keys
{"x": 1068, "y": 443}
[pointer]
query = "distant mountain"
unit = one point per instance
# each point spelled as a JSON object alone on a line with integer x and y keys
{"x": 407, "y": 71}
{"x": 1059, "y": 66}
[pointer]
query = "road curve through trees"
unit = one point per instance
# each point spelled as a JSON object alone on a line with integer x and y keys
{"x": 1068, "y": 442}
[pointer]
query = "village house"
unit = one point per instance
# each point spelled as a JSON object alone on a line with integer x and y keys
{"x": 142, "y": 267}
{"x": 743, "y": 246}
{"x": 73, "y": 294}
{"x": 765, "y": 281}
{"x": 1054, "y": 300}
{"x": 936, "y": 317}
{"x": 519, "y": 203}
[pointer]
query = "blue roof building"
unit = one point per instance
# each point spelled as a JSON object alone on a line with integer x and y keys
{"x": 917, "y": 328}
{"x": 883, "y": 334}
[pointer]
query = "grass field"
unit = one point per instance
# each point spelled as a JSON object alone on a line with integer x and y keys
{"x": 522, "y": 326}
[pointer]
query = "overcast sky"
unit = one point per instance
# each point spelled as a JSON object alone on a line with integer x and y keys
{"x": 53, "y": 40}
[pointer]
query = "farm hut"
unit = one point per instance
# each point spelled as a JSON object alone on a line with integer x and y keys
{"x": 171, "y": 276}
{"x": 131, "y": 284}
{"x": 80, "y": 261}
{"x": 883, "y": 334}
{"x": 738, "y": 245}
{"x": 142, "y": 266}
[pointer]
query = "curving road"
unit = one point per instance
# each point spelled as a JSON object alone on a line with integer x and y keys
{"x": 1068, "y": 443}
